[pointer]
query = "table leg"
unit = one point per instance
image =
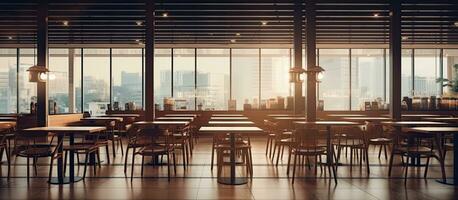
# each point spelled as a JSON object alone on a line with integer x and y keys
{"x": 330, "y": 156}
{"x": 60, "y": 179}
{"x": 233, "y": 180}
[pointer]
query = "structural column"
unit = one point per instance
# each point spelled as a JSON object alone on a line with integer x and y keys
{"x": 149, "y": 61}
{"x": 395, "y": 60}
{"x": 310, "y": 18}
{"x": 42, "y": 61}
{"x": 298, "y": 101}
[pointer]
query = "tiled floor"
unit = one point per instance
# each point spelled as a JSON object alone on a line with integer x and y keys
{"x": 199, "y": 182}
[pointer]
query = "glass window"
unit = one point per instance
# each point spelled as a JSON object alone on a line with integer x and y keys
{"x": 77, "y": 79}
{"x": 162, "y": 75}
{"x": 335, "y": 87}
{"x": 275, "y": 65}
{"x": 406, "y": 73}
{"x": 127, "y": 77}
{"x": 367, "y": 76}
{"x": 27, "y": 90}
{"x": 8, "y": 83}
{"x": 96, "y": 80}
{"x": 213, "y": 79}
{"x": 450, "y": 70}
{"x": 184, "y": 79}
{"x": 58, "y": 86}
{"x": 427, "y": 70}
{"x": 245, "y": 77}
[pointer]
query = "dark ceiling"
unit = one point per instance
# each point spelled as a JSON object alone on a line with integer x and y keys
{"x": 226, "y": 21}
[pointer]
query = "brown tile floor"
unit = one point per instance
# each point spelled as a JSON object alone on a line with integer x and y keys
{"x": 198, "y": 182}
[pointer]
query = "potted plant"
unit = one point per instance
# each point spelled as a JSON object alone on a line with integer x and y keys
{"x": 451, "y": 84}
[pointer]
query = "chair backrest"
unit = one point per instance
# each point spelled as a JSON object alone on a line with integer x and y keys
{"x": 309, "y": 138}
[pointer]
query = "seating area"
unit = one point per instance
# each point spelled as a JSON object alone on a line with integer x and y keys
{"x": 223, "y": 99}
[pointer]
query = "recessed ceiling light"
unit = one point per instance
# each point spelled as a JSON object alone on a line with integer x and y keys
{"x": 376, "y": 14}
{"x": 10, "y": 37}
{"x": 233, "y": 41}
{"x": 165, "y": 14}
{"x": 456, "y": 23}
{"x": 264, "y": 23}
{"x": 65, "y": 23}
{"x": 137, "y": 40}
{"x": 404, "y": 38}
{"x": 237, "y": 34}
{"x": 139, "y": 23}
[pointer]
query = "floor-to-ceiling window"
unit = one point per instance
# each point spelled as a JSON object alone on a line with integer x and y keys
{"x": 275, "y": 66}
{"x": 213, "y": 79}
{"x": 58, "y": 93}
{"x": 450, "y": 71}
{"x": 335, "y": 87}
{"x": 245, "y": 77}
{"x": 406, "y": 73}
{"x": 184, "y": 79}
{"x": 162, "y": 75}
{"x": 8, "y": 80}
{"x": 367, "y": 76}
{"x": 127, "y": 70}
{"x": 27, "y": 90}
{"x": 427, "y": 70}
{"x": 96, "y": 80}
{"x": 77, "y": 69}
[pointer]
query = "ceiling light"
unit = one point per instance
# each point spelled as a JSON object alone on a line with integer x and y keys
{"x": 456, "y": 23}
{"x": 165, "y": 14}
{"x": 237, "y": 34}
{"x": 376, "y": 14}
{"x": 65, "y": 23}
{"x": 264, "y": 23}
{"x": 10, "y": 37}
{"x": 140, "y": 43}
{"x": 233, "y": 41}
{"x": 137, "y": 40}
{"x": 404, "y": 38}
{"x": 139, "y": 23}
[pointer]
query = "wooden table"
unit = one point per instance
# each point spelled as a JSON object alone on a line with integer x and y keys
{"x": 346, "y": 115}
{"x": 441, "y": 131}
{"x": 232, "y": 130}
{"x": 117, "y": 119}
{"x": 7, "y": 123}
{"x": 8, "y": 118}
{"x": 330, "y": 149}
{"x": 368, "y": 119}
{"x": 291, "y": 118}
{"x": 70, "y": 131}
{"x": 230, "y": 123}
{"x": 122, "y": 115}
{"x": 442, "y": 119}
{"x": 227, "y": 115}
{"x": 285, "y": 115}
{"x": 161, "y": 123}
{"x": 175, "y": 118}
{"x": 228, "y": 118}
{"x": 180, "y": 115}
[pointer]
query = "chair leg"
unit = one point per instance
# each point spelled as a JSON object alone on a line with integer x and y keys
{"x": 267, "y": 145}
{"x": 98, "y": 159}
{"x": 132, "y": 168}
{"x": 426, "y": 167}
{"x": 86, "y": 159}
{"x": 174, "y": 162}
{"x": 50, "y": 169}
{"x": 108, "y": 153}
{"x": 384, "y": 147}
{"x": 390, "y": 166}
{"x": 143, "y": 164}
{"x": 94, "y": 166}
{"x": 125, "y": 160}
{"x": 113, "y": 147}
{"x": 351, "y": 158}
{"x": 184, "y": 157}
{"x": 380, "y": 151}
{"x": 8, "y": 160}
{"x": 275, "y": 149}
{"x": 65, "y": 161}
{"x": 407, "y": 169}
{"x": 213, "y": 154}
{"x": 35, "y": 170}
{"x": 28, "y": 169}
{"x": 289, "y": 162}
{"x": 278, "y": 154}
{"x": 294, "y": 167}
{"x": 168, "y": 166}
{"x": 366, "y": 151}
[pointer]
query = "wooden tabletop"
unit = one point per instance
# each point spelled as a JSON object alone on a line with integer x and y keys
{"x": 421, "y": 115}
{"x": 161, "y": 123}
{"x": 329, "y": 123}
{"x": 346, "y": 115}
{"x": 290, "y": 118}
{"x": 121, "y": 115}
{"x": 366, "y": 118}
{"x": 230, "y": 122}
{"x": 176, "y": 118}
{"x": 235, "y": 129}
{"x": 227, "y": 115}
{"x": 229, "y": 118}
{"x": 8, "y": 118}
{"x": 7, "y": 125}
{"x": 442, "y": 119}
{"x": 285, "y": 115}
{"x": 68, "y": 129}
{"x": 119, "y": 119}
{"x": 180, "y": 115}
{"x": 413, "y": 123}
{"x": 442, "y": 129}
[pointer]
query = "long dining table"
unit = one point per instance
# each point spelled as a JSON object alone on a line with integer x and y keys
{"x": 232, "y": 130}
{"x": 63, "y": 131}
{"x": 330, "y": 149}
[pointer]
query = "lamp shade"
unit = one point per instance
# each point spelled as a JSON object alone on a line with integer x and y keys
{"x": 37, "y": 74}
{"x": 295, "y": 75}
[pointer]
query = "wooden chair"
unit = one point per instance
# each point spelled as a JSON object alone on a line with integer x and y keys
{"x": 283, "y": 138}
{"x": 410, "y": 145}
{"x": 182, "y": 141}
{"x": 133, "y": 142}
{"x": 35, "y": 146}
{"x": 307, "y": 143}
{"x": 377, "y": 136}
{"x": 355, "y": 139}
{"x": 161, "y": 143}
{"x": 5, "y": 131}
{"x": 270, "y": 133}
